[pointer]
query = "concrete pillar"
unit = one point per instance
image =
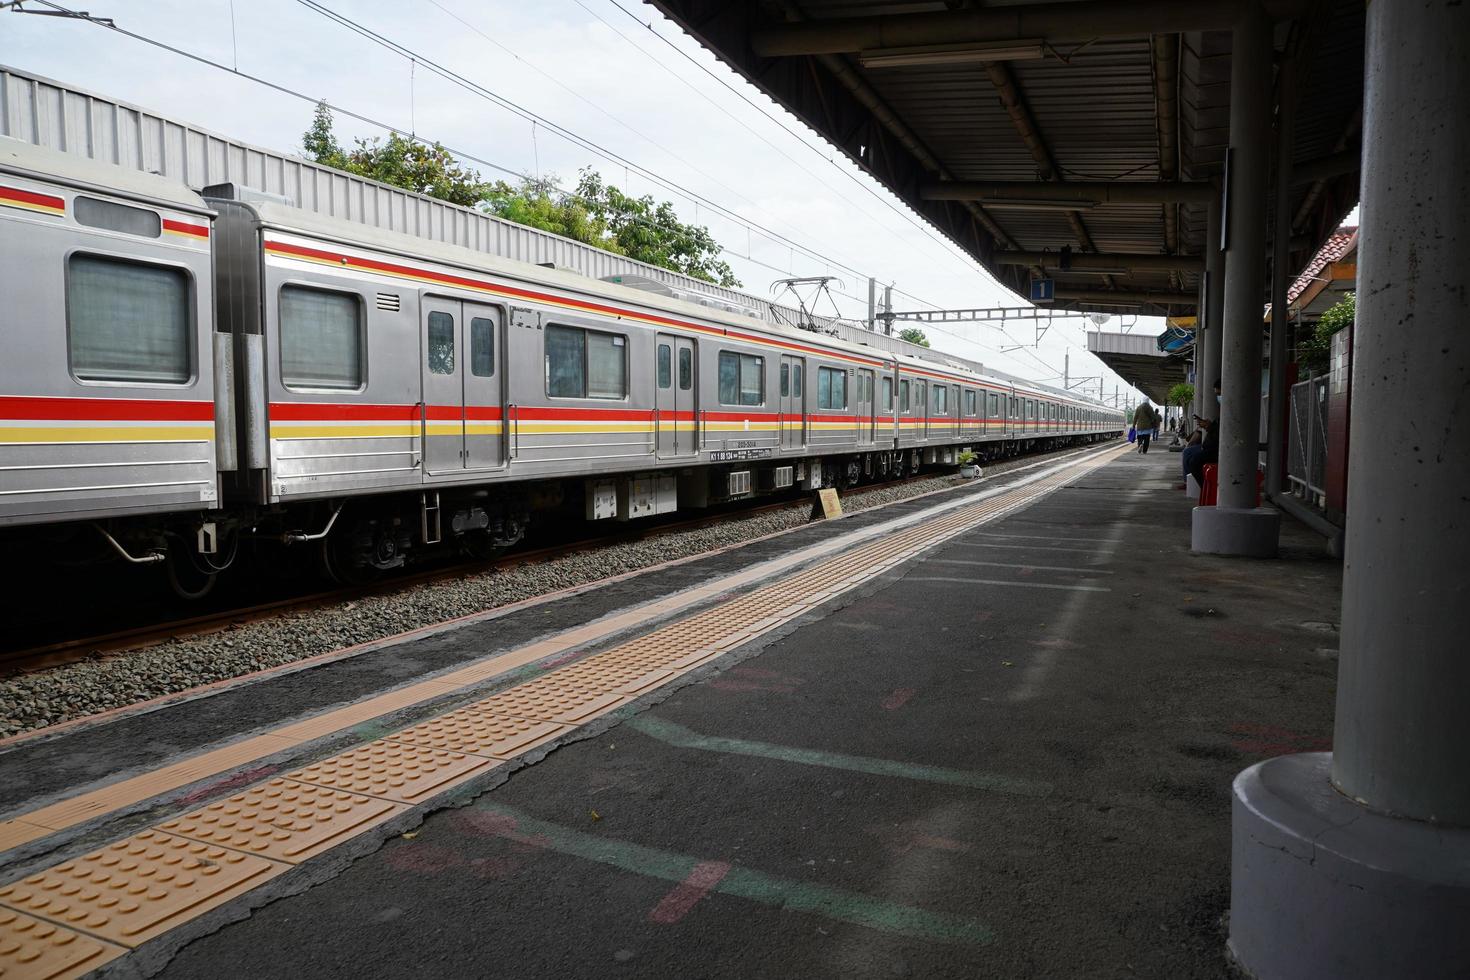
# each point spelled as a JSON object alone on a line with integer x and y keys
{"x": 1237, "y": 526}
{"x": 1280, "y": 280}
{"x": 1214, "y": 313}
{"x": 1357, "y": 864}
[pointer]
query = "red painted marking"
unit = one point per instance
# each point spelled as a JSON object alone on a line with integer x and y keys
{"x": 184, "y": 228}
{"x": 743, "y": 686}
{"x": 233, "y": 782}
{"x": 31, "y": 197}
{"x": 454, "y": 413}
{"x": 1027, "y": 572}
{"x": 898, "y": 699}
{"x": 109, "y": 409}
{"x": 548, "y": 414}
{"x": 565, "y": 657}
{"x": 424, "y": 859}
{"x": 687, "y": 893}
{"x": 488, "y": 824}
{"x": 1271, "y": 740}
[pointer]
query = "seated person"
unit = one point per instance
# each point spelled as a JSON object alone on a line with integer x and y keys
{"x": 1204, "y": 447}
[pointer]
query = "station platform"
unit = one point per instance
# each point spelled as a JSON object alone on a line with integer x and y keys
{"x": 987, "y": 732}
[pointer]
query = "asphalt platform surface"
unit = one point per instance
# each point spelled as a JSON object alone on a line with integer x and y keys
{"x": 1010, "y": 758}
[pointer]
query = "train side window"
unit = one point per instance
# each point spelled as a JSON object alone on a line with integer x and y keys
{"x": 831, "y": 388}
{"x": 941, "y": 400}
{"x": 993, "y": 401}
{"x": 888, "y": 394}
{"x": 903, "y": 397}
{"x": 665, "y": 366}
{"x": 686, "y": 369}
{"x": 321, "y": 338}
{"x": 482, "y": 347}
{"x": 585, "y": 363}
{"x": 971, "y": 400}
{"x": 796, "y": 381}
{"x": 785, "y": 380}
{"x": 117, "y": 217}
{"x": 127, "y": 321}
{"x": 742, "y": 379}
{"x": 441, "y": 343}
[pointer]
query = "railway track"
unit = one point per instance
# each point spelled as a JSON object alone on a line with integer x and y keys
{"x": 74, "y": 649}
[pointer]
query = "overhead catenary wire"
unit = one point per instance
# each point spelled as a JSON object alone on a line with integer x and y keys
{"x": 509, "y": 171}
{"x": 528, "y": 115}
{"x": 947, "y": 247}
{"x": 399, "y": 131}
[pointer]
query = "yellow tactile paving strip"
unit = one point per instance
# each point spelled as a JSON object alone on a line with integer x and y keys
{"x": 34, "y": 949}
{"x": 71, "y": 918}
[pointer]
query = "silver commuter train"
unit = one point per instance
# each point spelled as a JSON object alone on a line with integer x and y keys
{"x": 179, "y": 372}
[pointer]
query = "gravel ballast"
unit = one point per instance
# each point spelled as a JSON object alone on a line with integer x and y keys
{"x": 51, "y": 696}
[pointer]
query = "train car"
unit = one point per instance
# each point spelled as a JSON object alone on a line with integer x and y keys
{"x": 201, "y": 370}
{"x": 111, "y": 406}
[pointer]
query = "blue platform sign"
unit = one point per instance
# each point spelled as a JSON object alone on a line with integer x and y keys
{"x": 1043, "y": 290}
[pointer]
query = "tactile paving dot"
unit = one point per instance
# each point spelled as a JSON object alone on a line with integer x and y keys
{"x": 479, "y": 733}
{"x": 396, "y": 770}
{"x": 547, "y": 699}
{"x": 139, "y": 887}
{"x": 284, "y": 819}
{"x": 34, "y": 949}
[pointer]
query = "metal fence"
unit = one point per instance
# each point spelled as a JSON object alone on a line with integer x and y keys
{"x": 1306, "y": 461}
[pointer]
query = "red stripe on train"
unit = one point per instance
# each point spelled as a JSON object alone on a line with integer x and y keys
{"x": 105, "y": 409}
{"x": 184, "y": 228}
{"x": 31, "y": 197}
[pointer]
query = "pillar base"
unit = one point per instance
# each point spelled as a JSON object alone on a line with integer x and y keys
{"x": 1252, "y": 532}
{"x": 1191, "y": 487}
{"x": 1321, "y": 886}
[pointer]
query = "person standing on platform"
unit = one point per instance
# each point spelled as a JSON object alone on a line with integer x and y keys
{"x": 1143, "y": 423}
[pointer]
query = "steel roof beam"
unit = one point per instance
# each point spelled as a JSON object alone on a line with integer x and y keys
{"x": 1010, "y": 96}
{"x": 1098, "y": 261}
{"x": 1090, "y": 192}
{"x": 1128, "y": 297}
{"x": 1049, "y": 21}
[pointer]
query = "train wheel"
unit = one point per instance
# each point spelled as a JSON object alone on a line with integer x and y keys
{"x": 481, "y": 546}
{"x": 340, "y": 565}
{"x": 186, "y": 580}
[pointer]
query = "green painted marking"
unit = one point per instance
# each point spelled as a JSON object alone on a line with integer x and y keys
{"x": 684, "y": 738}
{"x": 756, "y": 886}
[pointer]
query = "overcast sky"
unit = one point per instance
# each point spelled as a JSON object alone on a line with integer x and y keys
{"x": 587, "y": 66}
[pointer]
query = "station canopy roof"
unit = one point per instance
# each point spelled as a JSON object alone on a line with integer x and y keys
{"x": 1023, "y": 129}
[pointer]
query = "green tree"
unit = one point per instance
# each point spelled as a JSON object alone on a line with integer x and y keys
{"x": 595, "y": 213}
{"x": 1315, "y": 350}
{"x": 1181, "y": 395}
{"x": 914, "y": 336}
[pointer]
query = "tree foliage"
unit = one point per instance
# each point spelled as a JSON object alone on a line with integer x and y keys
{"x": 596, "y": 213}
{"x": 1315, "y": 350}
{"x": 1180, "y": 395}
{"x": 914, "y": 336}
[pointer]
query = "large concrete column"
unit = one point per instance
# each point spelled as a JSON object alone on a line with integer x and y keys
{"x": 1237, "y": 526}
{"x": 1280, "y": 280}
{"x": 1214, "y": 312}
{"x": 1357, "y": 864}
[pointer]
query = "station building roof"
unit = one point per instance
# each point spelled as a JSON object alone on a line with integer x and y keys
{"x": 939, "y": 99}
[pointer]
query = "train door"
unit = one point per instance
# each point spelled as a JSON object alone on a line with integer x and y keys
{"x": 463, "y": 405}
{"x": 921, "y": 404}
{"x": 793, "y": 404}
{"x": 865, "y": 418}
{"x": 675, "y": 392}
{"x": 484, "y": 399}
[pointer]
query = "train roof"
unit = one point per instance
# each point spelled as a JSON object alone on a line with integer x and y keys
{"x": 104, "y": 178}
{"x": 292, "y": 219}
{"x": 285, "y": 217}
